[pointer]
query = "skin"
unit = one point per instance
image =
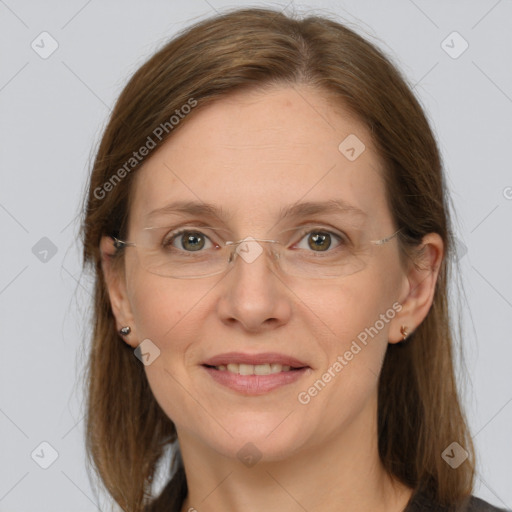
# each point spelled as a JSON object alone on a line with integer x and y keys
{"x": 253, "y": 153}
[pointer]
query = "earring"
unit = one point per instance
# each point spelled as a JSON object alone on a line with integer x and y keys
{"x": 124, "y": 331}
{"x": 403, "y": 332}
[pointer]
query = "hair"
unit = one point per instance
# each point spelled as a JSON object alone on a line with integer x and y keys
{"x": 419, "y": 409}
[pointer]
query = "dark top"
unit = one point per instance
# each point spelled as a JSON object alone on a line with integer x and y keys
{"x": 168, "y": 501}
{"x": 419, "y": 502}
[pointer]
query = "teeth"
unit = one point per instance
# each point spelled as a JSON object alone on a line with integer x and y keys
{"x": 254, "y": 369}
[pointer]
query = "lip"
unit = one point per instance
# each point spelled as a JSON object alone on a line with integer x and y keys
{"x": 262, "y": 358}
{"x": 255, "y": 384}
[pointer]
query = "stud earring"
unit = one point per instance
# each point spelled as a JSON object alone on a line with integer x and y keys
{"x": 403, "y": 332}
{"x": 124, "y": 331}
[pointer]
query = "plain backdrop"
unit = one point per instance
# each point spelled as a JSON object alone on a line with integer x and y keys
{"x": 62, "y": 66}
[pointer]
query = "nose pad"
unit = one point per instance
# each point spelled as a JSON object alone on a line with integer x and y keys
{"x": 250, "y": 249}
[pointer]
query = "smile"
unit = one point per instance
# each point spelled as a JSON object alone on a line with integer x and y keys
{"x": 254, "y": 369}
{"x": 245, "y": 379}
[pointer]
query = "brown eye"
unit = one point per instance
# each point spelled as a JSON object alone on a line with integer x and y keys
{"x": 318, "y": 240}
{"x": 190, "y": 241}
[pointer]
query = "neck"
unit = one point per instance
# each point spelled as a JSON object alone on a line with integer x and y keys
{"x": 342, "y": 472}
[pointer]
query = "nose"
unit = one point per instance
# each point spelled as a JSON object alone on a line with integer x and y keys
{"x": 254, "y": 296}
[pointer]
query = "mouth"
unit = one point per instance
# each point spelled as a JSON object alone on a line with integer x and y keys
{"x": 266, "y": 363}
{"x": 255, "y": 369}
{"x": 255, "y": 374}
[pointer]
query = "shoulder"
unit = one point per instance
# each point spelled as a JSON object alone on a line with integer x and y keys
{"x": 422, "y": 503}
{"x": 478, "y": 505}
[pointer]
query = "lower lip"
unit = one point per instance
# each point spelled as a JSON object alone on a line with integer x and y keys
{"x": 255, "y": 384}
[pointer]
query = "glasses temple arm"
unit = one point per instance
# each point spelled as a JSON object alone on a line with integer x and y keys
{"x": 387, "y": 239}
{"x": 121, "y": 244}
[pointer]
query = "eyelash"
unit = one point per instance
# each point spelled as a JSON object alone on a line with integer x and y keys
{"x": 173, "y": 235}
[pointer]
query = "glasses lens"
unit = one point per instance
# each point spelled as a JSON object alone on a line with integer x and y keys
{"x": 326, "y": 253}
{"x": 194, "y": 252}
{"x": 185, "y": 253}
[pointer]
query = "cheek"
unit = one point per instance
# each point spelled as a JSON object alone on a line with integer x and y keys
{"x": 166, "y": 311}
{"x": 343, "y": 311}
{"x": 347, "y": 324}
{"x": 350, "y": 323}
{"x": 172, "y": 314}
{"x": 161, "y": 306}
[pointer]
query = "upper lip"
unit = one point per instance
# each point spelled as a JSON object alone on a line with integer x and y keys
{"x": 262, "y": 358}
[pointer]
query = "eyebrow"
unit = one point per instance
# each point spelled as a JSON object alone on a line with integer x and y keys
{"x": 302, "y": 209}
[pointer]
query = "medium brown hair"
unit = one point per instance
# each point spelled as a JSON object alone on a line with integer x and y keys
{"x": 419, "y": 411}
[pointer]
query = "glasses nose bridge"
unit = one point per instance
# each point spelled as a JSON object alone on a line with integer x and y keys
{"x": 252, "y": 249}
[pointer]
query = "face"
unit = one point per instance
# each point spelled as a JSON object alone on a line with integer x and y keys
{"x": 251, "y": 155}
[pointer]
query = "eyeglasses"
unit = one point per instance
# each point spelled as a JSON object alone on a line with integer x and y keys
{"x": 197, "y": 252}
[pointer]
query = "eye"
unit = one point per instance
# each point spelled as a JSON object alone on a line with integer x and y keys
{"x": 188, "y": 240}
{"x": 320, "y": 240}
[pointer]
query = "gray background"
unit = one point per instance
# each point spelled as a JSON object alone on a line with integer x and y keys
{"x": 52, "y": 113}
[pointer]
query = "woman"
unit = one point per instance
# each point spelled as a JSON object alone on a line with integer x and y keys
{"x": 268, "y": 225}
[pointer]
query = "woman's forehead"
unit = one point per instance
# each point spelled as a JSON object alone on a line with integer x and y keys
{"x": 275, "y": 119}
{"x": 251, "y": 150}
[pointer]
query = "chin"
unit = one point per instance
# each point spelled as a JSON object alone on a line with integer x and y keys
{"x": 253, "y": 437}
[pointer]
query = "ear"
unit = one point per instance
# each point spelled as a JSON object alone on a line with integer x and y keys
{"x": 116, "y": 285}
{"x": 419, "y": 287}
